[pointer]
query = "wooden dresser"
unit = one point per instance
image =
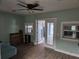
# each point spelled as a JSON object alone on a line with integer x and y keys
{"x": 16, "y": 38}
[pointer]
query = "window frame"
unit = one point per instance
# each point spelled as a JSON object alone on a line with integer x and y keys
{"x": 61, "y": 30}
{"x": 28, "y": 24}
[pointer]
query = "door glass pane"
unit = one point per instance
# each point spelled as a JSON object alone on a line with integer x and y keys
{"x": 50, "y": 31}
{"x": 40, "y": 29}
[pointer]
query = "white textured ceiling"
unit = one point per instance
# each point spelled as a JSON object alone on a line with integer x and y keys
{"x": 48, "y": 5}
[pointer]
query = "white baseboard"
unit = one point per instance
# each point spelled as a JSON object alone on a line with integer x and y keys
{"x": 47, "y": 46}
{"x": 68, "y": 53}
{"x": 59, "y": 50}
{"x": 36, "y": 43}
{"x": 40, "y": 42}
{"x": 62, "y": 51}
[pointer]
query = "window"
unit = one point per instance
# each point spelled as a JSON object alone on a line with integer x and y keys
{"x": 28, "y": 28}
{"x": 70, "y": 31}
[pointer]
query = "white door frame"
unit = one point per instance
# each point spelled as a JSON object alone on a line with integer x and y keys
{"x": 54, "y": 20}
{"x": 55, "y": 25}
{"x": 27, "y": 33}
{"x": 36, "y": 35}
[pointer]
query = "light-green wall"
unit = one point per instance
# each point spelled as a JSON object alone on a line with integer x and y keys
{"x": 9, "y": 23}
{"x": 64, "y": 15}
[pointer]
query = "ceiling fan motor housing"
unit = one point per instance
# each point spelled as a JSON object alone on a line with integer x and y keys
{"x": 31, "y": 6}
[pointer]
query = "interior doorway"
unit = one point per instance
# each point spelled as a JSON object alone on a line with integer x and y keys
{"x": 46, "y": 32}
{"x": 50, "y": 32}
{"x": 40, "y": 34}
{"x": 28, "y": 32}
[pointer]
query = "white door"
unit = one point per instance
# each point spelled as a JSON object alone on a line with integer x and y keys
{"x": 50, "y": 32}
{"x": 40, "y": 24}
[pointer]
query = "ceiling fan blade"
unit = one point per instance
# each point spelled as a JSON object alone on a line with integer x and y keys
{"x": 22, "y": 5}
{"x": 38, "y": 9}
{"x": 18, "y": 10}
{"x": 22, "y": 2}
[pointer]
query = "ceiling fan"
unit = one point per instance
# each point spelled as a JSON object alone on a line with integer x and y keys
{"x": 29, "y": 6}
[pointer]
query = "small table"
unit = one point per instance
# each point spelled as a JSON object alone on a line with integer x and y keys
{"x": 27, "y": 38}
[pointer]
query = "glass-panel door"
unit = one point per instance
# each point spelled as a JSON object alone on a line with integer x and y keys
{"x": 40, "y": 28}
{"x": 50, "y": 32}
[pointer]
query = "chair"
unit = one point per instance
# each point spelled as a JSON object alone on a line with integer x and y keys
{"x": 7, "y": 51}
